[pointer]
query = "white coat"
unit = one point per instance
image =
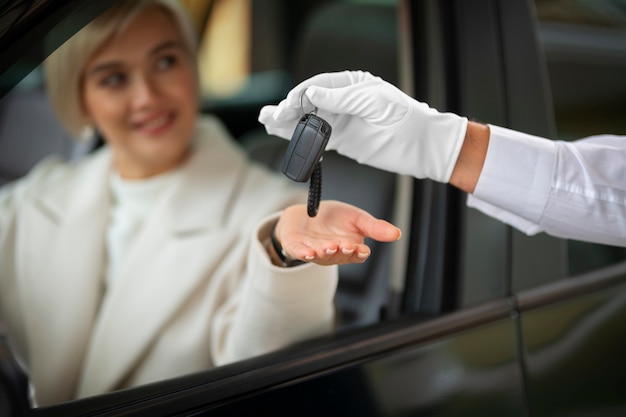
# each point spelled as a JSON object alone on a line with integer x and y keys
{"x": 197, "y": 288}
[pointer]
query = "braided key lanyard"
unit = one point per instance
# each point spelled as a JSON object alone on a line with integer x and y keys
{"x": 315, "y": 185}
{"x": 315, "y": 191}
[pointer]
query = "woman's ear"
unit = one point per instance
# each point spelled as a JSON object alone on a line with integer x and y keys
{"x": 87, "y": 133}
{"x": 88, "y": 129}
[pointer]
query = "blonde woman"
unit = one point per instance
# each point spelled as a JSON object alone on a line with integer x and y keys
{"x": 151, "y": 258}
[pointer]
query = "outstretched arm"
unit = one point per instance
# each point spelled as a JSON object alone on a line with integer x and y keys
{"x": 566, "y": 189}
{"x": 377, "y": 124}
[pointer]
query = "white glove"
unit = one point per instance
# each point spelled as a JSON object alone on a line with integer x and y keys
{"x": 374, "y": 123}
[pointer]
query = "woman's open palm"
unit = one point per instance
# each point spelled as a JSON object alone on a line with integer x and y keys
{"x": 335, "y": 236}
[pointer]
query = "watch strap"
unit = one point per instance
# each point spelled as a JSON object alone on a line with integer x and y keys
{"x": 286, "y": 260}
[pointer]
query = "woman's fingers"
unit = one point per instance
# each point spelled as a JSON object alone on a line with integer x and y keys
{"x": 329, "y": 252}
{"x": 336, "y": 236}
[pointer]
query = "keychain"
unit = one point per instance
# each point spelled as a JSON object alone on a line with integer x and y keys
{"x": 303, "y": 157}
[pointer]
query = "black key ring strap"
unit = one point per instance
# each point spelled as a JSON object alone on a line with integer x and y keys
{"x": 315, "y": 185}
{"x": 315, "y": 191}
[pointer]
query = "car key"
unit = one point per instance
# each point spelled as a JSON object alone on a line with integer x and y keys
{"x": 302, "y": 160}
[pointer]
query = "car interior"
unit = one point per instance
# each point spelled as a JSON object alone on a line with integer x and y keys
{"x": 323, "y": 36}
{"x": 330, "y": 40}
{"x": 363, "y": 292}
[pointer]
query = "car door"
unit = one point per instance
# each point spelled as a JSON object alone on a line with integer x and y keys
{"x": 571, "y": 327}
{"x": 479, "y": 319}
{"x": 441, "y": 352}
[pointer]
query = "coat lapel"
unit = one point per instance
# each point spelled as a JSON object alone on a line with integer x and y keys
{"x": 179, "y": 245}
{"x": 62, "y": 261}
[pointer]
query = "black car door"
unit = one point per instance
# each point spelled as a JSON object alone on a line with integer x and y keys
{"x": 475, "y": 319}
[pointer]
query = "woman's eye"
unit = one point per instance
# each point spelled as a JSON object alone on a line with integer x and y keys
{"x": 166, "y": 62}
{"x": 112, "y": 80}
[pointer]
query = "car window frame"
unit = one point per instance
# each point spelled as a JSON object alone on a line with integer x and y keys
{"x": 44, "y": 27}
{"x": 514, "y": 262}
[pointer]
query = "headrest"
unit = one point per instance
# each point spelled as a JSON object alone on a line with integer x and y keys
{"x": 349, "y": 36}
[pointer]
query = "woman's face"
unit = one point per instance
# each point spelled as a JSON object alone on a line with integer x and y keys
{"x": 140, "y": 90}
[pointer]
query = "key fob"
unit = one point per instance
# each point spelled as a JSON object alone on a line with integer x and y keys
{"x": 306, "y": 147}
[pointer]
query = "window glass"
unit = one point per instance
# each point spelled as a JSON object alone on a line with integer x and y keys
{"x": 585, "y": 47}
{"x": 600, "y": 13}
{"x": 249, "y": 48}
{"x": 226, "y": 52}
{"x": 240, "y": 70}
{"x": 224, "y": 57}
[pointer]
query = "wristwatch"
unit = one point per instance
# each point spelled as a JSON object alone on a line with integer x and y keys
{"x": 284, "y": 259}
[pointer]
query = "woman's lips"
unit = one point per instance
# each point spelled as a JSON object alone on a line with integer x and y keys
{"x": 155, "y": 125}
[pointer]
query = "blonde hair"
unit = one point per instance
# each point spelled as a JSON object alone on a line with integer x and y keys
{"x": 64, "y": 68}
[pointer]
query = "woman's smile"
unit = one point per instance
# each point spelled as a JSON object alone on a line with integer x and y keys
{"x": 155, "y": 125}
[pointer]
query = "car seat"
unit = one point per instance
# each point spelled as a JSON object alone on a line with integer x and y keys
{"x": 348, "y": 36}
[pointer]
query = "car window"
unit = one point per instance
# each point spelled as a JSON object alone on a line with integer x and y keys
{"x": 585, "y": 50}
{"x": 254, "y": 52}
{"x": 253, "y": 64}
{"x": 264, "y": 48}
{"x": 244, "y": 43}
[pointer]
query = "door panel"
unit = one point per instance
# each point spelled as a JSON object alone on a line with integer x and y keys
{"x": 469, "y": 374}
{"x": 459, "y": 364}
{"x": 575, "y": 347}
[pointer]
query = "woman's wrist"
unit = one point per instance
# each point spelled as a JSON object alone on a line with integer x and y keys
{"x": 278, "y": 255}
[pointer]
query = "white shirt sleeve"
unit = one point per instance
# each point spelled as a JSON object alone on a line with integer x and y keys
{"x": 574, "y": 190}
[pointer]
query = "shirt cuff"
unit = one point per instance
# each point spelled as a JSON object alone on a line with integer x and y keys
{"x": 516, "y": 179}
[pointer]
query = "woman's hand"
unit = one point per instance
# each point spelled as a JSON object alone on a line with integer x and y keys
{"x": 334, "y": 237}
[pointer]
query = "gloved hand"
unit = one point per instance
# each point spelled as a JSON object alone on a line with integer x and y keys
{"x": 374, "y": 123}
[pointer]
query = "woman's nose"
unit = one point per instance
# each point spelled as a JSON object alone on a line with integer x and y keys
{"x": 145, "y": 91}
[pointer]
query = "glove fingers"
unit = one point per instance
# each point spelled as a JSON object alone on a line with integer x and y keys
{"x": 284, "y": 128}
{"x": 331, "y": 80}
{"x": 345, "y": 92}
{"x": 335, "y": 80}
{"x": 371, "y": 101}
{"x": 266, "y": 115}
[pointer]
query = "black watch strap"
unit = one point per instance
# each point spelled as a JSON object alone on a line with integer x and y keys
{"x": 285, "y": 259}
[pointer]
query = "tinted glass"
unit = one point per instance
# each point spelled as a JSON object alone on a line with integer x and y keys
{"x": 585, "y": 47}
{"x": 259, "y": 50}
